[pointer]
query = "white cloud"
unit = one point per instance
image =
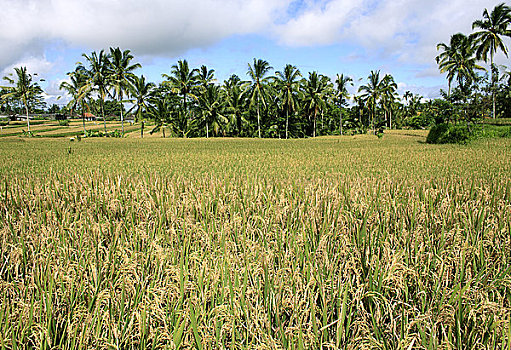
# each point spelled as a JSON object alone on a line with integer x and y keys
{"x": 406, "y": 29}
{"x": 146, "y": 27}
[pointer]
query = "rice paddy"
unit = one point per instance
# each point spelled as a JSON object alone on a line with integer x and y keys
{"x": 327, "y": 243}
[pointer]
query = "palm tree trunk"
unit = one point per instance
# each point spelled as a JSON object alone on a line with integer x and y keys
{"x": 103, "y": 114}
{"x": 83, "y": 121}
{"x": 322, "y": 120}
{"x": 184, "y": 104}
{"x": 340, "y": 121}
{"x": 28, "y": 119}
{"x": 314, "y": 130}
{"x": 492, "y": 85}
{"x": 390, "y": 118}
{"x": 258, "y": 119}
{"x": 142, "y": 130}
{"x": 238, "y": 124}
{"x": 372, "y": 118}
{"x": 163, "y": 131}
{"x": 122, "y": 117}
{"x": 207, "y": 130}
{"x": 287, "y": 121}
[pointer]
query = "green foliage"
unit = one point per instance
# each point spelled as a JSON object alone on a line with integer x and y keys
{"x": 461, "y": 133}
{"x": 25, "y": 133}
{"x": 492, "y": 131}
{"x": 419, "y": 120}
{"x": 98, "y": 133}
{"x": 63, "y": 122}
{"x": 448, "y": 133}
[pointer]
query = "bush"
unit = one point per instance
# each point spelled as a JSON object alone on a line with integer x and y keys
{"x": 99, "y": 133}
{"x": 64, "y": 122}
{"x": 448, "y": 133}
{"x": 493, "y": 131}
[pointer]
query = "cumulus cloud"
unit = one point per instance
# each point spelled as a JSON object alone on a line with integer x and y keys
{"x": 41, "y": 65}
{"x": 147, "y": 27}
{"x": 406, "y": 29}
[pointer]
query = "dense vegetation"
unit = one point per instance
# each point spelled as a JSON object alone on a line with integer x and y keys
{"x": 189, "y": 102}
{"x": 242, "y": 244}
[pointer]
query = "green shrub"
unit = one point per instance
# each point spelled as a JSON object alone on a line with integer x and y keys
{"x": 449, "y": 133}
{"x": 64, "y": 122}
{"x": 492, "y": 131}
{"x": 99, "y": 133}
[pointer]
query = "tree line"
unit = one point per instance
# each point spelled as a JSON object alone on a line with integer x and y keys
{"x": 190, "y": 102}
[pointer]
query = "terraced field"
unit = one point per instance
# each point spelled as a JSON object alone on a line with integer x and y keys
{"x": 53, "y": 129}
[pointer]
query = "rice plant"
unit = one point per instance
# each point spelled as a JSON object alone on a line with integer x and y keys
{"x": 334, "y": 243}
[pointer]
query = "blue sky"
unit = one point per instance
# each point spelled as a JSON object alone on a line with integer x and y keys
{"x": 329, "y": 36}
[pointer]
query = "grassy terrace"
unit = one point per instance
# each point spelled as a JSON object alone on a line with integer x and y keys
{"x": 330, "y": 243}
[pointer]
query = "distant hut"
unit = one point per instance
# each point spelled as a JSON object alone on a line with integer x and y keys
{"x": 90, "y": 117}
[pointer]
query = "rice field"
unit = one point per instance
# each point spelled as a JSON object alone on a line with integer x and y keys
{"x": 327, "y": 243}
{"x": 52, "y": 129}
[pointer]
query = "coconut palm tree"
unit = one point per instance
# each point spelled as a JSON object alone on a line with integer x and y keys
{"x": 183, "y": 81}
{"x": 142, "y": 92}
{"x": 160, "y": 111}
{"x": 205, "y": 76}
{"x": 288, "y": 84}
{"x": 314, "y": 94}
{"x": 407, "y": 96}
{"x": 341, "y": 95}
{"x": 25, "y": 89}
{"x": 236, "y": 96}
{"x": 78, "y": 89}
{"x": 389, "y": 96}
{"x": 448, "y": 56}
{"x": 258, "y": 90}
{"x": 99, "y": 75}
{"x": 371, "y": 93}
{"x": 459, "y": 61}
{"x": 211, "y": 104}
{"x": 492, "y": 27}
{"x": 121, "y": 75}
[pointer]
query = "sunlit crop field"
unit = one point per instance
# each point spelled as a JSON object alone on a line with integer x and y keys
{"x": 328, "y": 243}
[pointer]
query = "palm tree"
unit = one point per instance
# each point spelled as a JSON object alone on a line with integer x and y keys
{"x": 183, "y": 81}
{"x": 459, "y": 61}
{"x": 407, "y": 96}
{"x": 492, "y": 27}
{"x": 314, "y": 96}
{"x": 448, "y": 56}
{"x": 99, "y": 75}
{"x": 389, "y": 95}
{"x": 371, "y": 93}
{"x": 161, "y": 112}
{"x": 258, "y": 90}
{"x": 211, "y": 104}
{"x": 205, "y": 76}
{"x": 236, "y": 101}
{"x": 288, "y": 84}
{"x": 78, "y": 89}
{"x": 121, "y": 74}
{"x": 25, "y": 89}
{"x": 342, "y": 94}
{"x": 142, "y": 92}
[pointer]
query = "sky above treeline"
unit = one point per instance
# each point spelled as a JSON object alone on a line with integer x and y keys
{"x": 329, "y": 36}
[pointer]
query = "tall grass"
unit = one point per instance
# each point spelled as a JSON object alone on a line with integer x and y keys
{"x": 244, "y": 244}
